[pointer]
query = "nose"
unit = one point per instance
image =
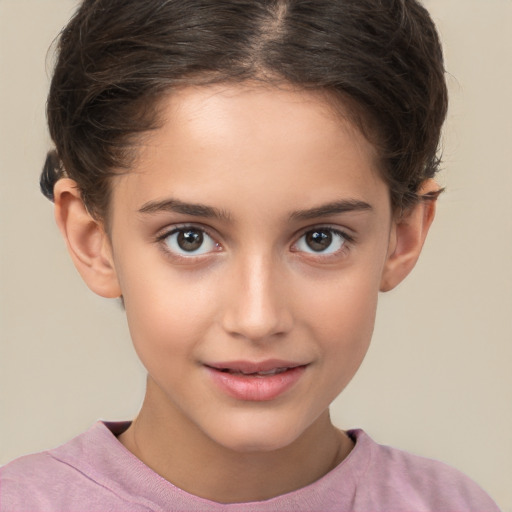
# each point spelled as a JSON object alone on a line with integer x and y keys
{"x": 258, "y": 304}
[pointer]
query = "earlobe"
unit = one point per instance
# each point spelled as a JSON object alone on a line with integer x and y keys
{"x": 87, "y": 242}
{"x": 408, "y": 236}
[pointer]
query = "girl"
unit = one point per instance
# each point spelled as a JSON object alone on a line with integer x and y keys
{"x": 246, "y": 176}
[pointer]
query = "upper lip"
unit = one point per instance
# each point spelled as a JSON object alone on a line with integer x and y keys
{"x": 253, "y": 366}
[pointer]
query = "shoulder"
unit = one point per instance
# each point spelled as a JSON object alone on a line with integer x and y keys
{"x": 399, "y": 478}
{"x": 33, "y": 482}
{"x": 70, "y": 477}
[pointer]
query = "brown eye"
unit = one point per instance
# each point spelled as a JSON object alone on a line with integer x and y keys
{"x": 321, "y": 241}
{"x": 189, "y": 242}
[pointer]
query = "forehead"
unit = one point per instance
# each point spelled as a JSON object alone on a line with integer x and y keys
{"x": 256, "y": 140}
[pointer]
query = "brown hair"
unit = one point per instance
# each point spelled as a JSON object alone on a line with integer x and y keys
{"x": 116, "y": 58}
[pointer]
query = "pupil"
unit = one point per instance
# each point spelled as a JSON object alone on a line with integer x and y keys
{"x": 190, "y": 240}
{"x": 319, "y": 240}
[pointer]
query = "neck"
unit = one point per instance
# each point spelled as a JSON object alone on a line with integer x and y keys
{"x": 181, "y": 453}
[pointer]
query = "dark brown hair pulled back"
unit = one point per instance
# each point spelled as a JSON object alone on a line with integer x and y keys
{"x": 117, "y": 57}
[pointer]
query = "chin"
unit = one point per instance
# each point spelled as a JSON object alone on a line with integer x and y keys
{"x": 256, "y": 435}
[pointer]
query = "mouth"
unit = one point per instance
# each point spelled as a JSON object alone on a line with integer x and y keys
{"x": 275, "y": 371}
{"x": 250, "y": 369}
{"x": 250, "y": 381}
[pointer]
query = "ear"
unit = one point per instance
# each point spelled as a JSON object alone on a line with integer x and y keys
{"x": 408, "y": 234}
{"x": 86, "y": 239}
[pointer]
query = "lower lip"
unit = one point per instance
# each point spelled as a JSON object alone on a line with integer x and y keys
{"x": 256, "y": 388}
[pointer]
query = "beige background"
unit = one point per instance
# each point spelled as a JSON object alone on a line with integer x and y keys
{"x": 438, "y": 378}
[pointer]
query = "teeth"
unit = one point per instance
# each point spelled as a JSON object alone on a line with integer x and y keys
{"x": 274, "y": 371}
{"x": 265, "y": 373}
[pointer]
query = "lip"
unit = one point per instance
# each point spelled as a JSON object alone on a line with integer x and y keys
{"x": 239, "y": 379}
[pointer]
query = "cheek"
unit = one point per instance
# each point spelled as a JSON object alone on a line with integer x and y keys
{"x": 344, "y": 306}
{"x": 341, "y": 318}
{"x": 168, "y": 313}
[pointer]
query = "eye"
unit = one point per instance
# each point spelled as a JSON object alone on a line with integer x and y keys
{"x": 321, "y": 241}
{"x": 189, "y": 241}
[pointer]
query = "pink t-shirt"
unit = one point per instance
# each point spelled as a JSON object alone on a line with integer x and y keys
{"x": 95, "y": 473}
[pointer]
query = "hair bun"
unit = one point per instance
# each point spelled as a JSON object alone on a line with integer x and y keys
{"x": 52, "y": 172}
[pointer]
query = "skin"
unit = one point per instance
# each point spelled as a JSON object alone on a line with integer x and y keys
{"x": 266, "y": 162}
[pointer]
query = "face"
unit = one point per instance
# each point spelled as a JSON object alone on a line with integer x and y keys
{"x": 249, "y": 242}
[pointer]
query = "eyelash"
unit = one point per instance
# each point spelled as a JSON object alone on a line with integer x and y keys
{"x": 347, "y": 241}
{"x": 161, "y": 240}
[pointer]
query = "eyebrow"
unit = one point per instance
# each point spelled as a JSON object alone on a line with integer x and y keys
{"x": 202, "y": 210}
{"x": 177, "y": 206}
{"x": 334, "y": 208}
